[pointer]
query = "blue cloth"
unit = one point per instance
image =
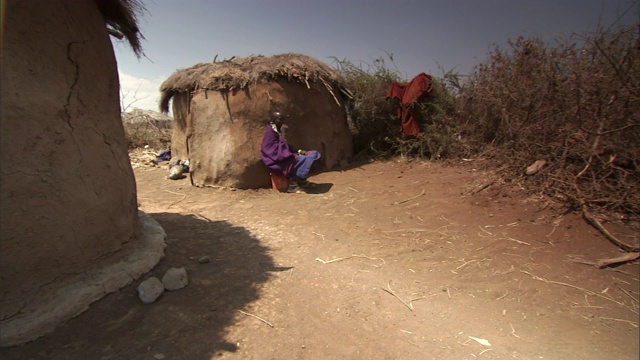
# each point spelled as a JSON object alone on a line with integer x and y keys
{"x": 164, "y": 156}
{"x": 302, "y": 165}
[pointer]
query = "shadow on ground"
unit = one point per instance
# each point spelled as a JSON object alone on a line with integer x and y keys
{"x": 120, "y": 327}
{"x": 319, "y": 188}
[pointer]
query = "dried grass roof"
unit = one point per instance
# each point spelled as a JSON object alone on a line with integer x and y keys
{"x": 238, "y": 73}
{"x": 122, "y": 16}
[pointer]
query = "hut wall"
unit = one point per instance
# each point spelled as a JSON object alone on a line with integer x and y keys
{"x": 180, "y": 109}
{"x": 68, "y": 191}
{"x": 226, "y": 130}
{"x": 316, "y": 121}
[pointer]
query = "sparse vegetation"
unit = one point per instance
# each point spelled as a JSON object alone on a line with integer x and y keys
{"x": 145, "y": 127}
{"x": 369, "y": 113}
{"x": 575, "y": 105}
{"x": 374, "y": 120}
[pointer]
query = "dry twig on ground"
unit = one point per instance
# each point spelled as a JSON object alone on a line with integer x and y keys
{"x": 349, "y": 257}
{"x": 409, "y": 199}
{"x": 602, "y": 263}
{"x": 579, "y": 288}
{"x": 257, "y": 317}
{"x": 396, "y": 296}
{"x": 184, "y": 196}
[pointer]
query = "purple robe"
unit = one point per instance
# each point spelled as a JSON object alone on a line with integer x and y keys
{"x": 276, "y": 153}
{"x": 283, "y": 159}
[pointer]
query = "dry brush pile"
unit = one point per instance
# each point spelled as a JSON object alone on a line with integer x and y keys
{"x": 145, "y": 128}
{"x": 575, "y": 106}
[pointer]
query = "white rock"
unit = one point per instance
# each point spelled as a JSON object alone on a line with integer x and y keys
{"x": 175, "y": 278}
{"x": 535, "y": 167}
{"x": 149, "y": 290}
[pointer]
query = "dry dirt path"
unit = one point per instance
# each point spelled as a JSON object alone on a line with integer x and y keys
{"x": 387, "y": 260}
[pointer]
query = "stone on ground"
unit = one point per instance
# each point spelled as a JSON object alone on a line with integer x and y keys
{"x": 175, "y": 278}
{"x": 149, "y": 290}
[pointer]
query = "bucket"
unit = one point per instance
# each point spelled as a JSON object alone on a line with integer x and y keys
{"x": 279, "y": 182}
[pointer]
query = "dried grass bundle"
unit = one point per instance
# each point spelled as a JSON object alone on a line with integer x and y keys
{"x": 239, "y": 73}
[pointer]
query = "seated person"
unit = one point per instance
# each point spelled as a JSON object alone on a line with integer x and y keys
{"x": 284, "y": 159}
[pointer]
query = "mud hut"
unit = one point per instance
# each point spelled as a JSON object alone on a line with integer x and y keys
{"x": 70, "y": 231}
{"x": 220, "y": 111}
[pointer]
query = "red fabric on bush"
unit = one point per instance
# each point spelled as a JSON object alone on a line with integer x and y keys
{"x": 408, "y": 94}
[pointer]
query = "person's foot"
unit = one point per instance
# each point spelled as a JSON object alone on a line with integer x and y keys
{"x": 295, "y": 188}
{"x": 305, "y": 184}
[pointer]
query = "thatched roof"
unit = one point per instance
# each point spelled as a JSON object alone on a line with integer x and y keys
{"x": 238, "y": 73}
{"x": 121, "y": 17}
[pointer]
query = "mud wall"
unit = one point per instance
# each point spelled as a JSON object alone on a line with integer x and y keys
{"x": 225, "y": 130}
{"x": 68, "y": 196}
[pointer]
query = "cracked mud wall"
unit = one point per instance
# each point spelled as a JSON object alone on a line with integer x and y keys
{"x": 68, "y": 191}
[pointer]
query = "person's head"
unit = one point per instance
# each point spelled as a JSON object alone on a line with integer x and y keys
{"x": 277, "y": 118}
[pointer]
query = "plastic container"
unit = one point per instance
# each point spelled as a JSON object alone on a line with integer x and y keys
{"x": 279, "y": 183}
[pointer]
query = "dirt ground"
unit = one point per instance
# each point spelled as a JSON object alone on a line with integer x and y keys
{"x": 385, "y": 260}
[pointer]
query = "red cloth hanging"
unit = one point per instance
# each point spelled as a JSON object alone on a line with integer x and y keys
{"x": 408, "y": 94}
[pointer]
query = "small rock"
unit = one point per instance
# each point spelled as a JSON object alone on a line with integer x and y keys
{"x": 176, "y": 172}
{"x": 175, "y": 278}
{"x": 149, "y": 290}
{"x": 535, "y": 167}
{"x": 245, "y": 206}
{"x": 204, "y": 259}
{"x": 158, "y": 356}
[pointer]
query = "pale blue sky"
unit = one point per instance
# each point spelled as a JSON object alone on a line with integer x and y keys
{"x": 423, "y": 35}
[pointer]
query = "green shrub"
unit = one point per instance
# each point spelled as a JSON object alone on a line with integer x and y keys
{"x": 374, "y": 121}
{"x": 369, "y": 113}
